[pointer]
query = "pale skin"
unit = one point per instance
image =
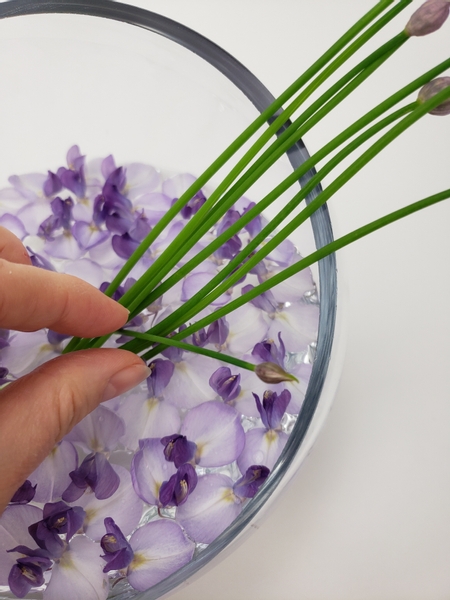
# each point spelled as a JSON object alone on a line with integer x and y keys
{"x": 37, "y": 410}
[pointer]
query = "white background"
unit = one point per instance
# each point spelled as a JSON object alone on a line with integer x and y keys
{"x": 367, "y": 516}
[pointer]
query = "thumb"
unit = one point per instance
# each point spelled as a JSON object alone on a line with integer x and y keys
{"x": 42, "y": 407}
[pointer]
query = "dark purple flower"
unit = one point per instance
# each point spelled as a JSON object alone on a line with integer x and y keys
{"x": 113, "y": 208}
{"x": 58, "y": 518}
{"x": 26, "y": 492}
{"x": 161, "y": 374}
{"x": 95, "y": 472}
{"x": 176, "y": 491}
{"x": 172, "y": 353}
{"x": 62, "y": 209}
{"x": 218, "y": 332}
{"x": 194, "y": 204}
{"x": 199, "y": 338}
{"x": 225, "y": 384}
{"x": 27, "y": 573}
{"x": 48, "y": 227}
{"x": 231, "y": 247}
{"x": 52, "y": 185}
{"x": 124, "y": 245}
{"x": 118, "y": 552}
{"x": 273, "y": 407}
{"x": 140, "y": 228}
{"x": 249, "y": 484}
{"x": 178, "y": 449}
{"x": 268, "y": 351}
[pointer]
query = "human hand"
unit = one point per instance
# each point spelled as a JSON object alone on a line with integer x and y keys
{"x": 40, "y": 408}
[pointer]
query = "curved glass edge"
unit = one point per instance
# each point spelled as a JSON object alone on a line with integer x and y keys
{"x": 258, "y": 94}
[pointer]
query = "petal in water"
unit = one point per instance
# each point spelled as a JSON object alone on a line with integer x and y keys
{"x": 123, "y": 506}
{"x": 100, "y": 431}
{"x": 210, "y": 509}
{"x": 262, "y": 447}
{"x": 216, "y": 429}
{"x": 160, "y": 548}
{"x": 52, "y": 475}
{"x": 79, "y": 573}
{"x": 149, "y": 469}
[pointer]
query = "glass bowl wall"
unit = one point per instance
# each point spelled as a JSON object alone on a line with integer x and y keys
{"x": 117, "y": 79}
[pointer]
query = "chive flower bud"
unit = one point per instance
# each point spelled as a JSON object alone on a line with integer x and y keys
{"x": 272, "y": 373}
{"x": 428, "y": 18}
{"x": 432, "y": 88}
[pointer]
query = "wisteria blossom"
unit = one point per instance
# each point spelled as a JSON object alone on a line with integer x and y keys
{"x": 148, "y": 477}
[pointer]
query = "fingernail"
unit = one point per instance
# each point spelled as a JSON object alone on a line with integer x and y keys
{"x": 125, "y": 380}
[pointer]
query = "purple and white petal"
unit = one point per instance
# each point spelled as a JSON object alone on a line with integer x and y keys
{"x": 52, "y": 475}
{"x": 210, "y": 508}
{"x": 100, "y": 431}
{"x": 32, "y": 215}
{"x": 216, "y": 429}
{"x": 123, "y": 506}
{"x": 11, "y": 200}
{"x": 29, "y": 186}
{"x": 141, "y": 179}
{"x": 297, "y": 325}
{"x": 26, "y": 351}
{"x": 86, "y": 269}
{"x": 160, "y": 548}
{"x": 149, "y": 469}
{"x": 78, "y": 573}
{"x": 14, "y": 524}
{"x": 88, "y": 235}
{"x": 262, "y": 447}
{"x": 13, "y": 224}
{"x": 248, "y": 326}
{"x": 189, "y": 385}
{"x": 147, "y": 418}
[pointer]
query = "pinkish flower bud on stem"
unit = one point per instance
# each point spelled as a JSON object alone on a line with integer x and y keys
{"x": 428, "y": 18}
{"x": 272, "y": 373}
{"x": 432, "y": 88}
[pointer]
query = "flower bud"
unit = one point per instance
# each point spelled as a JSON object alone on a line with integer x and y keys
{"x": 428, "y": 18}
{"x": 271, "y": 373}
{"x": 432, "y": 88}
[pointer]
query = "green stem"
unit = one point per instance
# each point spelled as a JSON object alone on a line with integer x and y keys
{"x": 189, "y": 347}
{"x": 358, "y": 164}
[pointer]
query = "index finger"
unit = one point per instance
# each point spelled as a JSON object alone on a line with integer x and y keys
{"x": 33, "y": 298}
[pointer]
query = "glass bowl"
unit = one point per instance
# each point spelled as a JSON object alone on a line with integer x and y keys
{"x": 118, "y": 79}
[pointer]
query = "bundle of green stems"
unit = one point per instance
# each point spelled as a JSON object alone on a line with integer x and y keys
{"x": 285, "y": 122}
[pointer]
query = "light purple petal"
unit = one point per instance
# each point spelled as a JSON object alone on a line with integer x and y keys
{"x": 160, "y": 548}
{"x": 141, "y": 179}
{"x": 11, "y": 201}
{"x": 210, "y": 508}
{"x": 79, "y": 573}
{"x": 248, "y": 326}
{"x": 86, "y": 269}
{"x": 100, "y": 431}
{"x": 294, "y": 287}
{"x": 123, "y": 506}
{"x": 14, "y": 524}
{"x": 283, "y": 254}
{"x": 26, "y": 351}
{"x": 32, "y": 215}
{"x": 177, "y": 185}
{"x": 147, "y": 418}
{"x": 150, "y": 469}
{"x": 88, "y": 235}
{"x": 52, "y": 475}
{"x": 189, "y": 384}
{"x": 262, "y": 447}
{"x": 297, "y": 324}
{"x": 30, "y": 186}
{"x": 216, "y": 429}
{"x": 64, "y": 246}
{"x": 13, "y": 224}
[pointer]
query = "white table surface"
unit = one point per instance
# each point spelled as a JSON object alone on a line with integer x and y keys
{"x": 367, "y": 517}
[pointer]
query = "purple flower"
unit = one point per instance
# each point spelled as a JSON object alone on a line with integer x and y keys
{"x": 4, "y": 373}
{"x": 95, "y": 472}
{"x": 267, "y": 351}
{"x": 27, "y": 573}
{"x": 264, "y": 301}
{"x": 218, "y": 332}
{"x": 273, "y": 407}
{"x": 249, "y": 484}
{"x": 149, "y": 470}
{"x": 40, "y": 261}
{"x": 58, "y": 518}
{"x": 161, "y": 373}
{"x": 178, "y": 449}
{"x": 176, "y": 491}
{"x": 225, "y": 384}
{"x": 25, "y": 493}
{"x": 52, "y": 185}
{"x": 231, "y": 247}
{"x": 118, "y": 552}
{"x": 194, "y": 204}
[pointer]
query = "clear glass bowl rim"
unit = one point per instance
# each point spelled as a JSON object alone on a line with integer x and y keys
{"x": 260, "y": 97}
